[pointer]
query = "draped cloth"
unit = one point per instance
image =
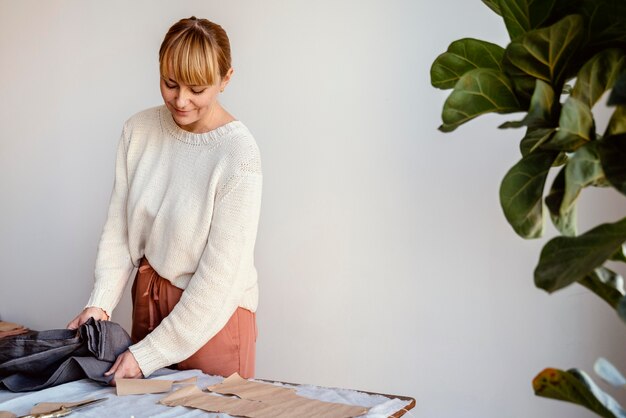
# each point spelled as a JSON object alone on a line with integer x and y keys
{"x": 48, "y": 358}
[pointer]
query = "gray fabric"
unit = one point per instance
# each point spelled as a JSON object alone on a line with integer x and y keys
{"x": 49, "y": 358}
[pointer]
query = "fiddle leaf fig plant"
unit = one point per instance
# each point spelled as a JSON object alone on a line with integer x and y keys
{"x": 562, "y": 58}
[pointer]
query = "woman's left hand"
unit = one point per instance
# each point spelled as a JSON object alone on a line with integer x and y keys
{"x": 125, "y": 366}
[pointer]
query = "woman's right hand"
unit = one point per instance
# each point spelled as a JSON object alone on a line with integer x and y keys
{"x": 91, "y": 312}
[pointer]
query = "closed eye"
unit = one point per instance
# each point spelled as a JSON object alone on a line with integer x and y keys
{"x": 170, "y": 85}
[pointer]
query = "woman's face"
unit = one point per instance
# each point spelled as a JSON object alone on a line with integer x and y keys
{"x": 192, "y": 107}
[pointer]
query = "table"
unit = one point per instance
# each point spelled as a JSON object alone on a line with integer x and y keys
{"x": 146, "y": 405}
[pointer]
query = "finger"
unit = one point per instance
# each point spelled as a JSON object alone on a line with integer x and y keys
{"x": 73, "y": 323}
{"x": 113, "y": 368}
{"x": 77, "y": 322}
{"x": 119, "y": 374}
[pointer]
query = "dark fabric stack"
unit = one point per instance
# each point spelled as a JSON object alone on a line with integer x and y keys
{"x": 48, "y": 358}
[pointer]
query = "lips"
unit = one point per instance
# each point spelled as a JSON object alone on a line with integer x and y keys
{"x": 181, "y": 112}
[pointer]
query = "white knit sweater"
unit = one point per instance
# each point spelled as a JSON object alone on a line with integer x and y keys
{"x": 190, "y": 203}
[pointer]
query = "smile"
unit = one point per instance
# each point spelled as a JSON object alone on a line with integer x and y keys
{"x": 181, "y": 112}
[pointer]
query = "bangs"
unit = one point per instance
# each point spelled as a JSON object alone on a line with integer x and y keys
{"x": 190, "y": 59}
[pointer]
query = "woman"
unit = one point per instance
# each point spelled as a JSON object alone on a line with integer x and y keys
{"x": 184, "y": 210}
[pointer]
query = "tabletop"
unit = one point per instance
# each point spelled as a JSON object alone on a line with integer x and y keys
{"x": 147, "y": 405}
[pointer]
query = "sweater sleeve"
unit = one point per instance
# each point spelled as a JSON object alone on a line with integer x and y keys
{"x": 215, "y": 289}
{"x": 113, "y": 262}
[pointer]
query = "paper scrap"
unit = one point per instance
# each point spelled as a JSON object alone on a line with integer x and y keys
{"x": 258, "y": 400}
{"x": 8, "y": 329}
{"x": 46, "y": 407}
{"x": 244, "y": 389}
{"x": 191, "y": 396}
{"x": 9, "y": 326}
{"x": 143, "y": 386}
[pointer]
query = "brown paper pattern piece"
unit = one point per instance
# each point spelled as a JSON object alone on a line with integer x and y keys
{"x": 9, "y": 329}
{"x": 45, "y": 407}
{"x": 9, "y": 326}
{"x": 237, "y": 385}
{"x": 259, "y": 400}
{"x": 143, "y": 386}
{"x": 284, "y": 397}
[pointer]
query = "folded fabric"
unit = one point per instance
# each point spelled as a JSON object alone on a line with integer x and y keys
{"x": 4, "y": 334}
{"x": 49, "y": 358}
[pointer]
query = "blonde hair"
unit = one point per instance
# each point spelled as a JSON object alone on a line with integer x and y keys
{"x": 195, "y": 52}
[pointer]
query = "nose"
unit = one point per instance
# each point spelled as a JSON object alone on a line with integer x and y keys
{"x": 182, "y": 98}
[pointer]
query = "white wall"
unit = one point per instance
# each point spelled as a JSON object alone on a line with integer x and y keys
{"x": 384, "y": 260}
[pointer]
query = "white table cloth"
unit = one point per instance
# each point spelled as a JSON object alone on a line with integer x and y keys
{"x": 147, "y": 405}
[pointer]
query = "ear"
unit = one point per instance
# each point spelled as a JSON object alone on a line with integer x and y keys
{"x": 226, "y": 78}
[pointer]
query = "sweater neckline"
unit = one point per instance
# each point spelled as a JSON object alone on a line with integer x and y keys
{"x": 196, "y": 138}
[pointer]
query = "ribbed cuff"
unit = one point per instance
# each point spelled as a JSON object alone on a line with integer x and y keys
{"x": 103, "y": 299}
{"x": 148, "y": 358}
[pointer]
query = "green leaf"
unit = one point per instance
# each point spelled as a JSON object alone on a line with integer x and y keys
{"x": 512, "y": 124}
{"x": 561, "y": 159}
{"x": 576, "y": 387}
{"x": 567, "y": 89}
{"x": 598, "y": 75}
{"x": 521, "y": 191}
{"x": 612, "y": 151}
{"x": 617, "y": 123}
{"x": 565, "y": 260}
{"x": 583, "y": 169}
{"x": 534, "y": 138}
{"x": 606, "y": 24}
{"x": 541, "y": 103}
{"x": 605, "y": 283}
{"x": 609, "y": 373}
{"x": 620, "y": 255}
{"x": 576, "y": 127}
{"x": 565, "y": 222}
{"x": 543, "y": 54}
{"x": 493, "y": 5}
{"x": 478, "y": 92}
{"x": 540, "y": 110}
{"x": 618, "y": 94}
{"x": 521, "y": 16}
{"x": 462, "y": 56}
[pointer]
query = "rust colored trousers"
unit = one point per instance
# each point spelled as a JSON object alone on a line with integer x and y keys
{"x": 230, "y": 350}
